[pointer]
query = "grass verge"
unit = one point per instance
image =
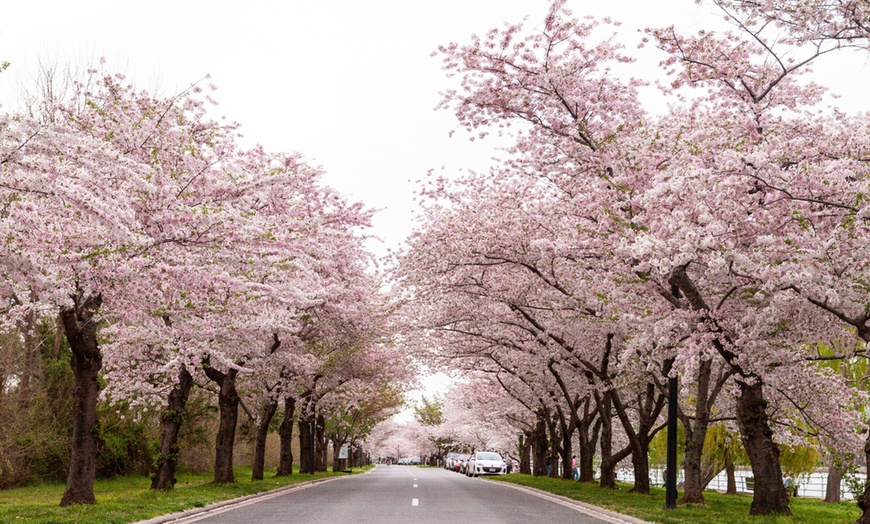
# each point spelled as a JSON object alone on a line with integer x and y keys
{"x": 719, "y": 509}
{"x": 128, "y": 499}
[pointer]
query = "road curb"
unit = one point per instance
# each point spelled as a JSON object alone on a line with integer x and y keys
{"x": 595, "y": 511}
{"x": 226, "y": 505}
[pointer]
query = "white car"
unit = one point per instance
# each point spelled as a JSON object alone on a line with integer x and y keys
{"x": 485, "y": 463}
{"x": 449, "y": 460}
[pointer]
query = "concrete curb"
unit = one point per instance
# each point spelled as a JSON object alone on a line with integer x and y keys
{"x": 192, "y": 514}
{"x": 590, "y": 509}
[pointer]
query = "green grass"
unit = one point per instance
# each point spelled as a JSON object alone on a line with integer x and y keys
{"x": 128, "y": 499}
{"x": 719, "y": 509}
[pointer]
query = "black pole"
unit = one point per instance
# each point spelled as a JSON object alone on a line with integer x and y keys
{"x": 671, "y": 461}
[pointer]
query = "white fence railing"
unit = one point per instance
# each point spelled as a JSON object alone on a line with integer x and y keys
{"x": 813, "y": 485}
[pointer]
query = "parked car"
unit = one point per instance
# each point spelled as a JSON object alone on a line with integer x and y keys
{"x": 469, "y": 465}
{"x": 486, "y": 463}
{"x": 460, "y": 463}
{"x": 449, "y": 459}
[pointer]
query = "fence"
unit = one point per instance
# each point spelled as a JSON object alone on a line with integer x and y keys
{"x": 813, "y": 485}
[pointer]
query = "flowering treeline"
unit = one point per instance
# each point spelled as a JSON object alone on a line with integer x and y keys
{"x": 723, "y": 242}
{"x": 172, "y": 257}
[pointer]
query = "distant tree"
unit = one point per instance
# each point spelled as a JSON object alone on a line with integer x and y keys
{"x": 429, "y": 412}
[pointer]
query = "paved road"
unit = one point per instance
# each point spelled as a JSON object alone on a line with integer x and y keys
{"x": 399, "y": 494}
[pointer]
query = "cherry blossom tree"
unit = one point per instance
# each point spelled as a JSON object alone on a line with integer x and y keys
{"x": 833, "y": 224}
{"x": 823, "y": 24}
{"x": 767, "y": 118}
{"x": 184, "y": 212}
{"x": 271, "y": 244}
{"x": 517, "y": 302}
{"x": 658, "y": 212}
{"x": 199, "y": 255}
{"x": 69, "y": 229}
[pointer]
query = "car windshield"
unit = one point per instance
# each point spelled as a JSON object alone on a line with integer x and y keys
{"x": 488, "y": 456}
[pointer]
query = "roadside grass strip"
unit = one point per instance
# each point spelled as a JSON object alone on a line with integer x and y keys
{"x": 128, "y": 499}
{"x": 719, "y": 509}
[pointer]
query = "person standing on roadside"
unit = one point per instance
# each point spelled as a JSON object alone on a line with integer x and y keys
{"x": 574, "y": 472}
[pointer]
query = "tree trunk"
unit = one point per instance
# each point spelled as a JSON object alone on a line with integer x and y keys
{"x": 525, "y": 454}
{"x": 228, "y": 405}
{"x": 336, "y": 449}
{"x": 693, "y": 490}
{"x": 86, "y": 361}
{"x": 267, "y": 411}
{"x": 640, "y": 463}
{"x": 567, "y": 471}
{"x": 680, "y": 282}
{"x": 693, "y": 473}
{"x": 835, "y": 475}
{"x": 769, "y": 494}
{"x": 307, "y": 462}
{"x": 731, "y": 488}
{"x": 587, "y": 442}
{"x": 170, "y": 424}
{"x": 306, "y": 445}
{"x": 608, "y": 464}
{"x": 321, "y": 443}
{"x": 650, "y": 403}
{"x": 357, "y": 455}
{"x": 285, "y": 436}
{"x": 586, "y": 450}
{"x": 555, "y": 449}
{"x": 539, "y": 448}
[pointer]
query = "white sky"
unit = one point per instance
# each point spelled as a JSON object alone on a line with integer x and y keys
{"x": 350, "y": 84}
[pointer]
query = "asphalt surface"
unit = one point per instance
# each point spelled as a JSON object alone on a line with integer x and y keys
{"x": 400, "y": 494}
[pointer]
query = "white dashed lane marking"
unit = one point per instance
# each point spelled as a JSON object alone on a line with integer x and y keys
{"x": 415, "y": 502}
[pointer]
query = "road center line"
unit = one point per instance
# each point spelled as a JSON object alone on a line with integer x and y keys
{"x": 415, "y": 502}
